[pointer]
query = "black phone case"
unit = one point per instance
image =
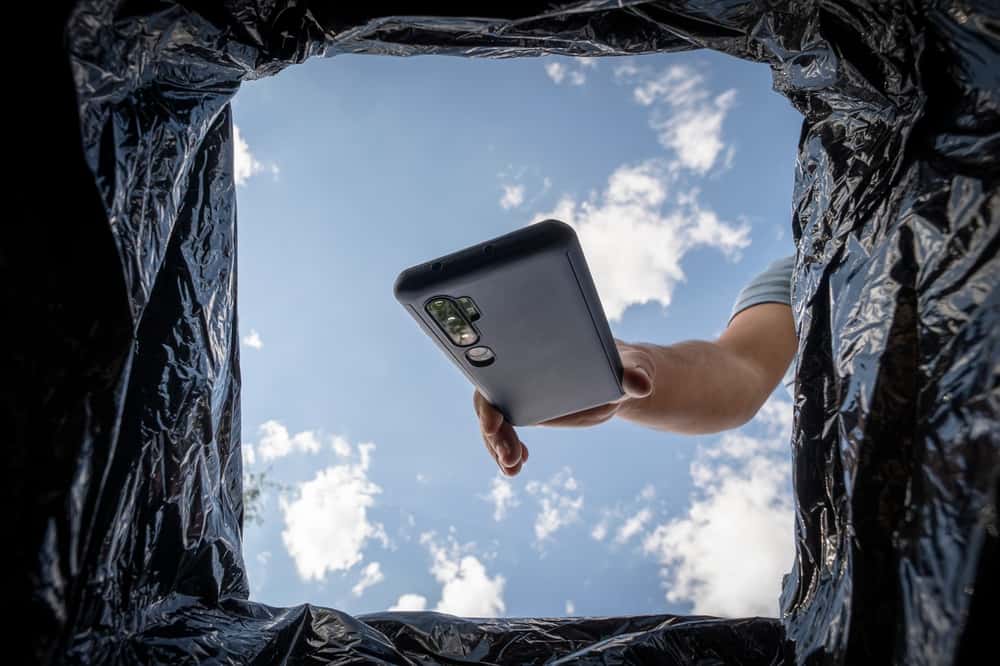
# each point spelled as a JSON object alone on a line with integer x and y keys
{"x": 539, "y": 313}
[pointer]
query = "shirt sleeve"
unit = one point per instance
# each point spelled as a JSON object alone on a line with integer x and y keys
{"x": 774, "y": 285}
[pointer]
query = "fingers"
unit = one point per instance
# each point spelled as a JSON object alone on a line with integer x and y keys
{"x": 500, "y": 438}
{"x": 511, "y": 451}
{"x": 507, "y": 445}
{"x": 490, "y": 418}
{"x": 507, "y": 450}
{"x": 513, "y": 471}
{"x": 636, "y": 382}
{"x": 588, "y": 417}
{"x": 639, "y": 371}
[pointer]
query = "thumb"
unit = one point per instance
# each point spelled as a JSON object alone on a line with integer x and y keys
{"x": 637, "y": 377}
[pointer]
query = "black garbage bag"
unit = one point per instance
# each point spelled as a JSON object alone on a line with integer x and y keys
{"x": 122, "y": 387}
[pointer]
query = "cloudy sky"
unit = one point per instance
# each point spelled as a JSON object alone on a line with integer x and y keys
{"x": 676, "y": 172}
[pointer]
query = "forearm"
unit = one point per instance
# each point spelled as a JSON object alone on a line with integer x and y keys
{"x": 698, "y": 387}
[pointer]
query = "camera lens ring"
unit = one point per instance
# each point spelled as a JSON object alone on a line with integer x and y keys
{"x": 480, "y": 356}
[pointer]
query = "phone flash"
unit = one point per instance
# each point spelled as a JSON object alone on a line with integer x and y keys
{"x": 480, "y": 356}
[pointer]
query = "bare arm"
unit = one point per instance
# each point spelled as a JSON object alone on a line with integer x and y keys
{"x": 702, "y": 387}
{"x": 690, "y": 387}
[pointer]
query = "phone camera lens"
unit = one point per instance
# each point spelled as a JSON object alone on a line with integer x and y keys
{"x": 468, "y": 308}
{"x": 450, "y": 319}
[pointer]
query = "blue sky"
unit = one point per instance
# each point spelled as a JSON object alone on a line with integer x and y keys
{"x": 675, "y": 170}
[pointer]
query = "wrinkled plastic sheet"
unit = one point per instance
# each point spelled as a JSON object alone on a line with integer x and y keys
{"x": 125, "y": 464}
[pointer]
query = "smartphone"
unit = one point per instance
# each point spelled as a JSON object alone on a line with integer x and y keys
{"x": 520, "y": 317}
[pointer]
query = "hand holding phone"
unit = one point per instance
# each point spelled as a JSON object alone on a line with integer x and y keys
{"x": 519, "y": 315}
{"x": 505, "y": 446}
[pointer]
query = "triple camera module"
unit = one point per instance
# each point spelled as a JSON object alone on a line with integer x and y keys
{"x": 455, "y": 317}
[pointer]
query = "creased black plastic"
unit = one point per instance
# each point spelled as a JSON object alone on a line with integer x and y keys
{"x": 123, "y": 395}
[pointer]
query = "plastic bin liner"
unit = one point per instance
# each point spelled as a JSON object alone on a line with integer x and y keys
{"x": 124, "y": 469}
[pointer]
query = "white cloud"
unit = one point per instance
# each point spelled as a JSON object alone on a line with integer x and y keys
{"x": 559, "y": 503}
{"x": 365, "y": 453}
{"x": 522, "y": 186}
{"x": 572, "y": 71}
{"x": 327, "y": 524}
{"x": 633, "y": 526}
{"x": 677, "y": 85}
{"x": 513, "y": 196}
{"x": 370, "y": 575}
{"x": 696, "y": 134}
{"x": 252, "y": 340}
{"x": 340, "y": 446}
{"x": 249, "y": 456}
{"x": 631, "y": 518}
{"x": 728, "y": 554}
{"x": 776, "y": 415}
{"x": 503, "y": 498}
{"x": 244, "y": 163}
{"x": 637, "y": 232}
{"x": 570, "y": 607}
{"x": 471, "y": 592}
{"x": 556, "y": 71}
{"x": 466, "y": 588}
{"x": 422, "y": 478}
{"x": 410, "y": 602}
{"x": 686, "y": 116}
{"x": 275, "y": 442}
{"x": 626, "y": 70}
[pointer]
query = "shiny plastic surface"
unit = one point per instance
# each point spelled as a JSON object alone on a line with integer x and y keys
{"x": 125, "y": 467}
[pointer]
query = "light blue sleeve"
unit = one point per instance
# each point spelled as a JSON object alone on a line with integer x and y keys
{"x": 774, "y": 285}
